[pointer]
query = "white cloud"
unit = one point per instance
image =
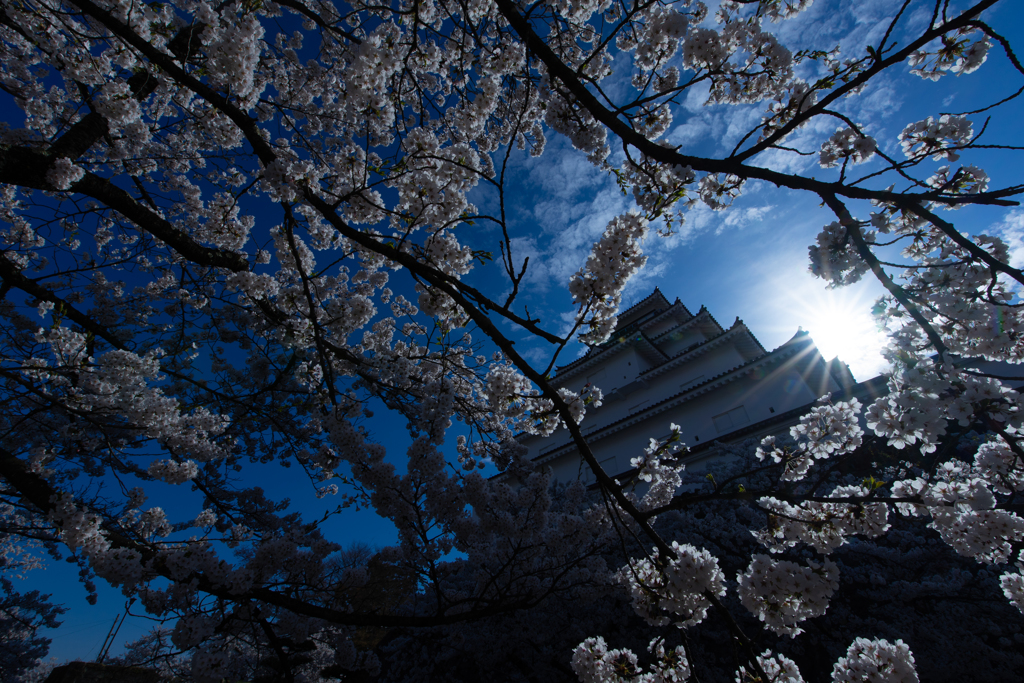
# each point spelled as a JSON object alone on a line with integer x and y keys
{"x": 560, "y": 173}
{"x": 538, "y": 357}
{"x": 696, "y": 96}
{"x": 879, "y": 101}
{"x": 739, "y": 120}
{"x": 563, "y": 243}
{"x": 1011, "y": 231}
{"x": 744, "y": 216}
{"x": 693, "y": 131}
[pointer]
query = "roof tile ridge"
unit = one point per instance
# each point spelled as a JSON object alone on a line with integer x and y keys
{"x": 713, "y": 318}
{"x": 643, "y": 301}
{"x": 742, "y": 431}
{"x": 693, "y": 318}
{"x": 801, "y": 336}
{"x": 561, "y": 368}
{"x": 739, "y": 323}
{"x": 719, "y": 376}
{"x": 667, "y": 312}
{"x": 654, "y": 346}
{"x": 700, "y": 345}
{"x": 680, "y": 303}
{"x": 600, "y": 351}
{"x": 657, "y": 290}
{"x": 789, "y": 414}
{"x": 678, "y": 394}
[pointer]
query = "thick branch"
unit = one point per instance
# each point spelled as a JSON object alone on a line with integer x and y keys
{"x": 88, "y": 131}
{"x": 23, "y": 167}
{"x": 13, "y": 276}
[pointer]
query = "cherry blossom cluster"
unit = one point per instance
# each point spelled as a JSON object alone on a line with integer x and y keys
{"x": 657, "y": 187}
{"x": 64, "y": 173}
{"x": 564, "y": 115}
{"x": 1013, "y": 585}
{"x": 961, "y": 505}
{"x": 658, "y": 467}
{"x": 597, "y": 287}
{"x": 964, "y": 180}
{"x": 432, "y": 190}
{"x": 1000, "y": 466}
{"x": 828, "y": 430}
{"x": 958, "y": 55}
{"x": 116, "y": 386}
{"x": 764, "y": 67}
{"x": 834, "y": 258}
{"x": 233, "y": 44}
{"x": 593, "y": 662}
{"x": 923, "y": 400}
{"x": 846, "y": 144}
{"x": 664, "y": 29}
{"x": 960, "y": 290}
{"x": 673, "y": 591}
{"x": 797, "y": 98}
{"x": 82, "y": 531}
{"x": 936, "y": 138}
{"x": 778, "y": 668}
{"x": 782, "y": 594}
{"x": 511, "y": 395}
{"x": 717, "y": 192}
{"x": 876, "y": 660}
{"x": 173, "y": 472}
{"x": 822, "y": 525}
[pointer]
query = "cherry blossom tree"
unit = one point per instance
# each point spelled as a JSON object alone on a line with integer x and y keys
{"x": 22, "y": 615}
{"x": 230, "y": 229}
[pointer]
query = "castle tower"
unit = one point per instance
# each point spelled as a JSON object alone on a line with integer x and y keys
{"x": 667, "y": 365}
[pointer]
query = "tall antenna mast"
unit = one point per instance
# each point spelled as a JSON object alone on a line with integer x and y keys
{"x": 112, "y": 633}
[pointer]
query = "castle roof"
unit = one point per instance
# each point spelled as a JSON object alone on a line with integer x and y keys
{"x": 777, "y": 357}
{"x": 641, "y": 316}
{"x": 650, "y": 301}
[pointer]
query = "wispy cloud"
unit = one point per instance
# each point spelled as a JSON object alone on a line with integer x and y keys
{"x": 1011, "y": 231}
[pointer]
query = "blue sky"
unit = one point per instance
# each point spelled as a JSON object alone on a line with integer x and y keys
{"x": 748, "y": 262}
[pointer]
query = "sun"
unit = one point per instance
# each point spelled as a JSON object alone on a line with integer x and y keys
{"x": 838, "y": 320}
{"x": 842, "y": 325}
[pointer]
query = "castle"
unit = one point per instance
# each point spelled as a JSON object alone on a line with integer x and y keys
{"x": 664, "y": 364}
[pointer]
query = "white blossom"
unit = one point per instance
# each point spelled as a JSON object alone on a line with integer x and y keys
{"x": 673, "y": 593}
{"x": 782, "y": 594}
{"x": 64, "y": 173}
{"x": 876, "y": 660}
